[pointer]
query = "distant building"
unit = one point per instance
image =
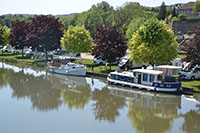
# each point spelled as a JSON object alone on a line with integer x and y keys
{"x": 185, "y": 8}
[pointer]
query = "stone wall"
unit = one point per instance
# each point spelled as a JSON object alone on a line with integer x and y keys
{"x": 185, "y": 26}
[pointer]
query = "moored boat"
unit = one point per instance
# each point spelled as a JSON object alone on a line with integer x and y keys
{"x": 145, "y": 79}
{"x": 67, "y": 66}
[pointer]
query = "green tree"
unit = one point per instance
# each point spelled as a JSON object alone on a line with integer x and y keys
{"x": 162, "y": 12}
{"x": 76, "y": 40}
{"x": 174, "y": 12}
{"x": 196, "y": 8}
{"x": 4, "y": 34}
{"x": 153, "y": 43}
{"x": 182, "y": 17}
{"x": 136, "y": 22}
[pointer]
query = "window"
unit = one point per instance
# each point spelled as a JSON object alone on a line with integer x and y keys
{"x": 134, "y": 73}
{"x": 152, "y": 78}
{"x": 145, "y": 77}
{"x": 159, "y": 77}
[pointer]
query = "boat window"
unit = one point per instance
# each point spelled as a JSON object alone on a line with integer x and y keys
{"x": 134, "y": 73}
{"x": 113, "y": 76}
{"x": 159, "y": 77}
{"x": 122, "y": 78}
{"x": 152, "y": 78}
{"x": 73, "y": 67}
{"x": 145, "y": 77}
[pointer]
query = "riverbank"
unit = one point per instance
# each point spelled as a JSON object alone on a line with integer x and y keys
{"x": 99, "y": 71}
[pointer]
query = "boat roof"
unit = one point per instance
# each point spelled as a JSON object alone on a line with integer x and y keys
{"x": 124, "y": 73}
{"x": 65, "y": 58}
{"x": 148, "y": 71}
{"x": 169, "y": 67}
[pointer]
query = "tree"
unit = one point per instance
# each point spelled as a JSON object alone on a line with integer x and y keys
{"x": 123, "y": 15}
{"x": 196, "y": 8}
{"x": 162, "y": 12}
{"x": 192, "y": 47}
{"x": 4, "y": 34}
{"x": 136, "y": 22}
{"x": 45, "y": 33}
{"x": 174, "y": 12}
{"x": 76, "y": 40}
{"x": 110, "y": 44}
{"x": 153, "y": 43}
{"x": 18, "y": 35}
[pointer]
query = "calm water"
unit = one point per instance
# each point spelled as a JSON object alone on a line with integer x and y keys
{"x": 33, "y": 101}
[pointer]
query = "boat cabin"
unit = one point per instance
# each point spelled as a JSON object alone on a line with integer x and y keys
{"x": 58, "y": 61}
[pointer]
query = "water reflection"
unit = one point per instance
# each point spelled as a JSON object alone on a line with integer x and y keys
{"x": 150, "y": 112}
{"x": 147, "y": 112}
{"x": 106, "y": 106}
{"x": 42, "y": 93}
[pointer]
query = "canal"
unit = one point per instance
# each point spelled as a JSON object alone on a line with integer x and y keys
{"x": 34, "y": 101}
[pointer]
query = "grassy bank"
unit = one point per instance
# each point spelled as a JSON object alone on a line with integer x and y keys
{"x": 195, "y": 84}
{"x": 96, "y": 68}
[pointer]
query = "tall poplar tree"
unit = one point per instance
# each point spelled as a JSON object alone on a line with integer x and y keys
{"x": 162, "y": 11}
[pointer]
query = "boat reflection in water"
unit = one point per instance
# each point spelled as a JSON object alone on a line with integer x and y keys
{"x": 74, "y": 91}
{"x": 149, "y": 112}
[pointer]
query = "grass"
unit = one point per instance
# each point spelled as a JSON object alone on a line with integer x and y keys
{"x": 181, "y": 56}
{"x": 195, "y": 84}
{"x": 97, "y": 68}
{"x": 13, "y": 58}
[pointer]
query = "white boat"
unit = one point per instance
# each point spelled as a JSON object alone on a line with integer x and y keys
{"x": 67, "y": 66}
{"x": 145, "y": 79}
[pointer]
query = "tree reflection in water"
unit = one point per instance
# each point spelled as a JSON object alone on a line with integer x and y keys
{"x": 106, "y": 106}
{"x": 44, "y": 96}
{"x": 76, "y": 97}
{"x": 5, "y": 75}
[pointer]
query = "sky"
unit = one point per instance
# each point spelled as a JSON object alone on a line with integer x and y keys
{"x": 67, "y": 6}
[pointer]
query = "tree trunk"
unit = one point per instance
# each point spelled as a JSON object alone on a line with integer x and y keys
{"x": 110, "y": 66}
{"x": 46, "y": 55}
{"x": 22, "y": 53}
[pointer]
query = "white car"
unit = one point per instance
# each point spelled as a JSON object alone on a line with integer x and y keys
{"x": 6, "y": 48}
{"x": 99, "y": 61}
{"x": 194, "y": 74}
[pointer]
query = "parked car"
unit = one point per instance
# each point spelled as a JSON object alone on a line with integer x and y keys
{"x": 127, "y": 63}
{"x": 6, "y": 48}
{"x": 99, "y": 61}
{"x": 193, "y": 74}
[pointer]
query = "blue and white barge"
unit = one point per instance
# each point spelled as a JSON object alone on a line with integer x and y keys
{"x": 145, "y": 79}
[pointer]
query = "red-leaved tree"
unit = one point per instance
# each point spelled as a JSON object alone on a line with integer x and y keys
{"x": 45, "y": 33}
{"x": 18, "y": 35}
{"x": 192, "y": 48}
{"x": 110, "y": 44}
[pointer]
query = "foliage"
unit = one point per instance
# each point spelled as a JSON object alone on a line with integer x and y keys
{"x": 124, "y": 15}
{"x": 196, "y": 8}
{"x": 192, "y": 48}
{"x": 6, "y": 20}
{"x": 18, "y": 35}
{"x": 76, "y": 40}
{"x": 136, "y": 22}
{"x": 4, "y": 34}
{"x": 153, "y": 43}
{"x": 162, "y": 12}
{"x": 45, "y": 33}
{"x": 182, "y": 17}
{"x": 174, "y": 12}
{"x": 109, "y": 44}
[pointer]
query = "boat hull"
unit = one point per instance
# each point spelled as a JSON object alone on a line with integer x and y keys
{"x": 80, "y": 72}
{"x": 141, "y": 86}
